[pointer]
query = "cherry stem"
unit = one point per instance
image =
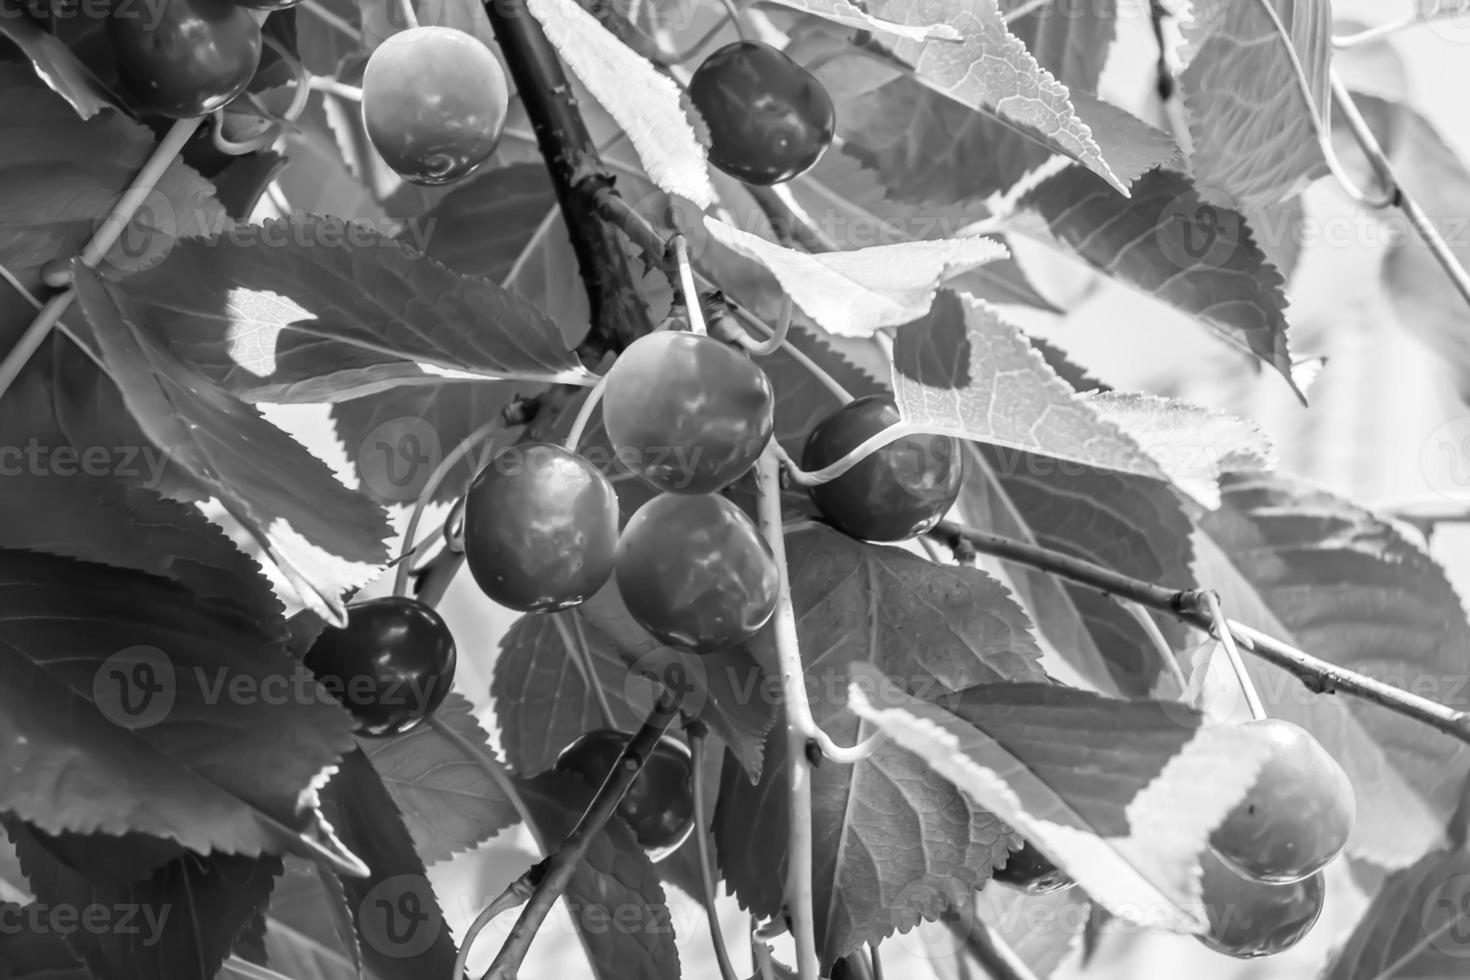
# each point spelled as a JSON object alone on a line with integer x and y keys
{"x": 1220, "y": 627}
{"x": 877, "y": 961}
{"x": 239, "y": 148}
{"x": 330, "y": 86}
{"x": 1399, "y": 196}
{"x": 516, "y": 894}
{"x": 426, "y": 496}
{"x": 687, "y": 287}
{"x": 332, "y": 20}
{"x": 760, "y": 952}
{"x": 1024, "y": 10}
{"x": 1379, "y": 33}
{"x": 773, "y": 343}
{"x": 860, "y": 452}
{"x": 733, "y": 11}
{"x": 103, "y": 239}
{"x": 706, "y": 862}
{"x": 574, "y": 638}
{"x": 554, "y": 873}
{"x": 1160, "y": 644}
{"x": 410, "y": 16}
{"x": 584, "y": 415}
{"x": 1187, "y": 605}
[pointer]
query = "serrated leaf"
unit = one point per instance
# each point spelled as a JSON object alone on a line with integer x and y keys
{"x": 543, "y": 701}
{"x": 992, "y": 69}
{"x": 615, "y": 883}
{"x": 1072, "y": 42}
{"x": 645, "y": 104}
{"x": 309, "y": 928}
{"x": 1123, "y": 795}
{"x": 324, "y": 536}
{"x": 1326, "y": 576}
{"x": 936, "y": 629}
{"x": 1170, "y": 244}
{"x": 962, "y": 370}
{"x": 54, "y": 62}
{"x": 844, "y": 13}
{"x": 147, "y": 695}
{"x": 1131, "y": 524}
{"x": 316, "y": 309}
{"x": 926, "y": 148}
{"x": 1193, "y": 444}
{"x": 1416, "y": 926}
{"x": 857, "y": 293}
{"x": 1252, "y": 125}
{"x": 62, "y": 176}
{"x": 403, "y": 932}
{"x": 103, "y": 520}
{"x": 180, "y": 921}
{"x": 446, "y": 799}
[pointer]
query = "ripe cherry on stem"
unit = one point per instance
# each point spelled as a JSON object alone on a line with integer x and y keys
{"x": 392, "y": 665}
{"x": 695, "y": 572}
{"x": 540, "y": 528}
{"x": 434, "y": 101}
{"x": 898, "y": 491}
{"x": 187, "y": 58}
{"x": 1249, "y": 918}
{"x": 1032, "y": 872}
{"x": 1297, "y": 816}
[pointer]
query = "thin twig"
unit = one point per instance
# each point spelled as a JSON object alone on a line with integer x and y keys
{"x": 556, "y": 871}
{"x": 706, "y": 862}
{"x": 1400, "y": 196}
{"x": 1187, "y": 605}
{"x": 569, "y": 625}
{"x": 1221, "y": 630}
{"x": 516, "y": 894}
{"x": 1160, "y": 643}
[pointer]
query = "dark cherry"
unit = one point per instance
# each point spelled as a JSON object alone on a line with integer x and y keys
{"x": 1249, "y": 918}
{"x": 185, "y": 58}
{"x": 769, "y": 118}
{"x": 391, "y": 666}
{"x": 659, "y": 805}
{"x": 900, "y": 491}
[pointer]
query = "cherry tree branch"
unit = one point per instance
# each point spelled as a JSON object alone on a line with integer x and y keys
{"x": 619, "y": 314}
{"x": 554, "y": 873}
{"x": 1191, "y": 606}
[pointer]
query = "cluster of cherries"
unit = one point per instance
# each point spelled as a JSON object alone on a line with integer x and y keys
{"x": 435, "y": 99}
{"x": 1261, "y": 879}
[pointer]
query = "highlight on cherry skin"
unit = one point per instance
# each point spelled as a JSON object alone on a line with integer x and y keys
{"x": 187, "y": 58}
{"x": 1032, "y": 872}
{"x": 540, "y": 528}
{"x": 1297, "y": 817}
{"x": 434, "y": 101}
{"x": 687, "y": 413}
{"x": 769, "y": 119}
{"x": 695, "y": 572}
{"x": 391, "y": 666}
{"x": 898, "y": 492}
{"x": 1249, "y": 918}
{"x": 659, "y": 805}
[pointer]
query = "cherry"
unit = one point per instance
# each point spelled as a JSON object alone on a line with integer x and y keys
{"x": 540, "y": 528}
{"x": 185, "y": 58}
{"x": 1032, "y": 872}
{"x": 659, "y": 805}
{"x": 898, "y": 492}
{"x": 1249, "y": 918}
{"x": 686, "y": 412}
{"x": 769, "y": 118}
{"x": 1297, "y": 817}
{"x": 391, "y": 666}
{"x": 695, "y": 572}
{"x": 434, "y": 100}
